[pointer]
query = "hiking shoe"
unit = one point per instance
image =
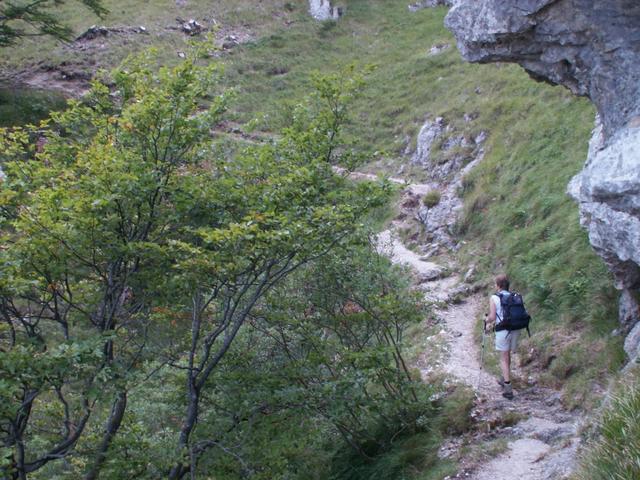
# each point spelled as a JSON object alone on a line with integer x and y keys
{"x": 507, "y": 390}
{"x": 501, "y": 381}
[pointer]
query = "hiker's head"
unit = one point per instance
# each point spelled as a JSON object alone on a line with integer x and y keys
{"x": 502, "y": 282}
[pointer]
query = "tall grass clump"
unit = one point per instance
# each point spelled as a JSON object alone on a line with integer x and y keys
{"x": 411, "y": 454}
{"x": 616, "y": 453}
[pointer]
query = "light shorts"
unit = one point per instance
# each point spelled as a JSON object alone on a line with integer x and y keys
{"x": 507, "y": 340}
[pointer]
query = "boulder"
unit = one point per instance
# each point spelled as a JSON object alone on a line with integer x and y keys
{"x": 192, "y": 27}
{"x": 93, "y": 32}
{"x": 324, "y": 10}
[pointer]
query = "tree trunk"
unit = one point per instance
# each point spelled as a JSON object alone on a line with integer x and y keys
{"x": 113, "y": 424}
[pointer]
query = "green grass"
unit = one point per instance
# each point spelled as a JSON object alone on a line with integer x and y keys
{"x": 411, "y": 458}
{"x": 431, "y": 198}
{"x": 615, "y": 453}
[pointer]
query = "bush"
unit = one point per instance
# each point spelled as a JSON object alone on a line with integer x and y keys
{"x": 431, "y": 198}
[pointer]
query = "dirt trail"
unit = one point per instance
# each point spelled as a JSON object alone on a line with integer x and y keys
{"x": 542, "y": 438}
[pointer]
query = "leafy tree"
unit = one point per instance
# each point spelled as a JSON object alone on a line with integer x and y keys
{"x": 278, "y": 207}
{"x": 131, "y": 246}
{"x": 19, "y": 18}
{"x": 85, "y": 219}
{"x": 320, "y": 369}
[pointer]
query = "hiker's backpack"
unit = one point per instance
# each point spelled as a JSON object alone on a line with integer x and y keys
{"x": 515, "y": 316}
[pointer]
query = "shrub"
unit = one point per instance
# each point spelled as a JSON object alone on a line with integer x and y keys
{"x": 431, "y": 198}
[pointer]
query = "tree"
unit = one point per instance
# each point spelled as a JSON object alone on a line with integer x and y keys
{"x": 278, "y": 207}
{"x": 128, "y": 240}
{"x": 19, "y": 18}
{"x": 319, "y": 369}
{"x": 85, "y": 220}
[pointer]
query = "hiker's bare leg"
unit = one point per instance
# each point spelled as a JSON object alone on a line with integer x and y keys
{"x": 505, "y": 365}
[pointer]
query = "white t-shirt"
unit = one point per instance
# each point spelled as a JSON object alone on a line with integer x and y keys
{"x": 496, "y": 301}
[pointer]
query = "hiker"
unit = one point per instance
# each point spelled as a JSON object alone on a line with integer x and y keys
{"x": 506, "y": 340}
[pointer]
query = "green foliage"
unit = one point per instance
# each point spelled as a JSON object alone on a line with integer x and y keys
{"x": 27, "y": 18}
{"x": 85, "y": 216}
{"x": 19, "y": 106}
{"x": 615, "y": 453}
{"x": 135, "y": 258}
{"x": 413, "y": 453}
{"x": 320, "y": 370}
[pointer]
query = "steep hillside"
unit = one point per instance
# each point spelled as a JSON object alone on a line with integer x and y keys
{"x": 423, "y": 116}
{"x": 517, "y": 216}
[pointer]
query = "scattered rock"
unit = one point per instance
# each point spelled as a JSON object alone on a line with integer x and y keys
{"x": 429, "y": 275}
{"x": 458, "y": 293}
{"x": 480, "y": 138}
{"x": 411, "y": 201}
{"x": 93, "y": 32}
{"x": 468, "y": 277}
{"x": 429, "y": 251}
{"x": 414, "y": 7}
{"x": 470, "y": 117}
{"x": 438, "y": 48}
{"x": 230, "y": 41}
{"x": 191, "y": 27}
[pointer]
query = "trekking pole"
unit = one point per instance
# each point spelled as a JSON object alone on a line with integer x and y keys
{"x": 484, "y": 330}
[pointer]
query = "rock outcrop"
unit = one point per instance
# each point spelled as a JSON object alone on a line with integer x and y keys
{"x": 446, "y": 155}
{"x": 593, "y": 48}
{"x": 324, "y": 10}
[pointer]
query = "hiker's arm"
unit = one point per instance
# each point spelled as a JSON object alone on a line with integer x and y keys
{"x": 491, "y": 318}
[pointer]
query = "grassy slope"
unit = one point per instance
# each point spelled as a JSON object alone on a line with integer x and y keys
{"x": 156, "y": 16}
{"x": 517, "y": 217}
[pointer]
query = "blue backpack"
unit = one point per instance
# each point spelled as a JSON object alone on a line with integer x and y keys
{"x": 515, "y": 316}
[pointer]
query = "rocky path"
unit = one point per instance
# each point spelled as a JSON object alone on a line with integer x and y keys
{"x": 542, "y": 437}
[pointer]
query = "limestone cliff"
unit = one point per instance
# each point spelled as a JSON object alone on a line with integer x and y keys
{"x": 593, "y": 48}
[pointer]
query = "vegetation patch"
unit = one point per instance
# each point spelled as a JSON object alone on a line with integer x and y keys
{"x": 22, "y": 105}
{"x": 431, "y": 198}
{"x": 615, "y": 452}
